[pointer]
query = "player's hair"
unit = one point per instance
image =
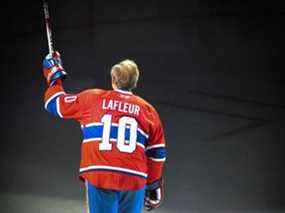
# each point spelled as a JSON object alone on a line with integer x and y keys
{"x": 125, "y": 74}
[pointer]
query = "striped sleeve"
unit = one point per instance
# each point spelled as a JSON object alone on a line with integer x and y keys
{"x": 63, "y": 105}
{"x": 156, "y": 150}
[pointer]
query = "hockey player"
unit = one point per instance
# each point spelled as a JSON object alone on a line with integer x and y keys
{"x": 123, "y": 146}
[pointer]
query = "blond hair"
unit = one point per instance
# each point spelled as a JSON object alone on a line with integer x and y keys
{"x": 125, "y": 74}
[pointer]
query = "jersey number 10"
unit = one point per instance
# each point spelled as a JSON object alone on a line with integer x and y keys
{"x": 123, "y": 145}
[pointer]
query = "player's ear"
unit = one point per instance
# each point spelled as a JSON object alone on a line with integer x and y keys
{"x": 114, "y": 82}
{"x": 112, "y": 79}
{"x": 114, "y": 85}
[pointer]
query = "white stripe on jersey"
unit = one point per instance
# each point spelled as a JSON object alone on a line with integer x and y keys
{"x": 143, "y": 133}
{"x": 91, "y": 139}
{"x": 92, "y": 124}
{"x": 58, "y": 107}
{"x": 113, "y": 124}
{"x": 111, "y": 139}
{"x": 157, "y": 159}
{"x": 141, "y": 145}
{"x": 155, "y": 146}
{"x": 52, "y": 97}
{"x": 119, "y": 169}
{"x": 124, "y": 91}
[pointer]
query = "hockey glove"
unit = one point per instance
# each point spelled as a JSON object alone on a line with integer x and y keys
{"x": 154, "y": 195}
{"x": 52, "y": 68}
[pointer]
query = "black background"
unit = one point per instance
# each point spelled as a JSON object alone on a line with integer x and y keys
{"x": 213, "y": 70}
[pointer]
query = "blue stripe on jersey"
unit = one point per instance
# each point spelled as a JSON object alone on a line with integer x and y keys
{"x": 52, "y": 108}
{"x": 159, "y": 152}
{"x": 97, "y": 132}
{"x": 92, "y": 132}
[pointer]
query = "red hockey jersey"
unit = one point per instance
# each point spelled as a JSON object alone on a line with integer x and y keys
{"x": 123, "y": 146}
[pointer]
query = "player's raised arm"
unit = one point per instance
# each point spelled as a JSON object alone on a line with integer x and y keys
{"x": 156, "y": 153}
{"x": 57, "y": 102}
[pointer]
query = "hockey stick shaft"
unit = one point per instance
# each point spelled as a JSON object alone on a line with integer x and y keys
{"x": 48, "y": 27}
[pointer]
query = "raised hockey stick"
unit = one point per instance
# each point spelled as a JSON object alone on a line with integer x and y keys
{"x": 48, "y": 27}
{"x": 55, "y": 71}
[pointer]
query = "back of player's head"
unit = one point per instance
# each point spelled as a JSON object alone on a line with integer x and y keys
{"x": 125, "y": 74}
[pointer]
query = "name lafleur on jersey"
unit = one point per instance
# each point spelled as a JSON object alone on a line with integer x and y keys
{"x": 121, "y": 106}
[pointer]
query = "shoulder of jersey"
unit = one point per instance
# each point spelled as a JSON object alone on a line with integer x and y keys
{"x": 139, "y": 99}
{"x": 144, "y": 103}
{"x": 94, "y": 92}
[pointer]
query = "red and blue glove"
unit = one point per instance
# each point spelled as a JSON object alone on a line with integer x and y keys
{"x": 52, "y": 68}
{"x": 154, "y": 195}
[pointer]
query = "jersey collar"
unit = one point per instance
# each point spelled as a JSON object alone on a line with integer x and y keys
{"x": 124, "y": 91}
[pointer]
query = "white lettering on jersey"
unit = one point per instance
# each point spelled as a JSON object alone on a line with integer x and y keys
{"x": 121, "y": 106}
{"x": 69, "y": 99}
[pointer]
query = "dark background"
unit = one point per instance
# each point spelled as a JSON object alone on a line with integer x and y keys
{"x": 213, "y": 69}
